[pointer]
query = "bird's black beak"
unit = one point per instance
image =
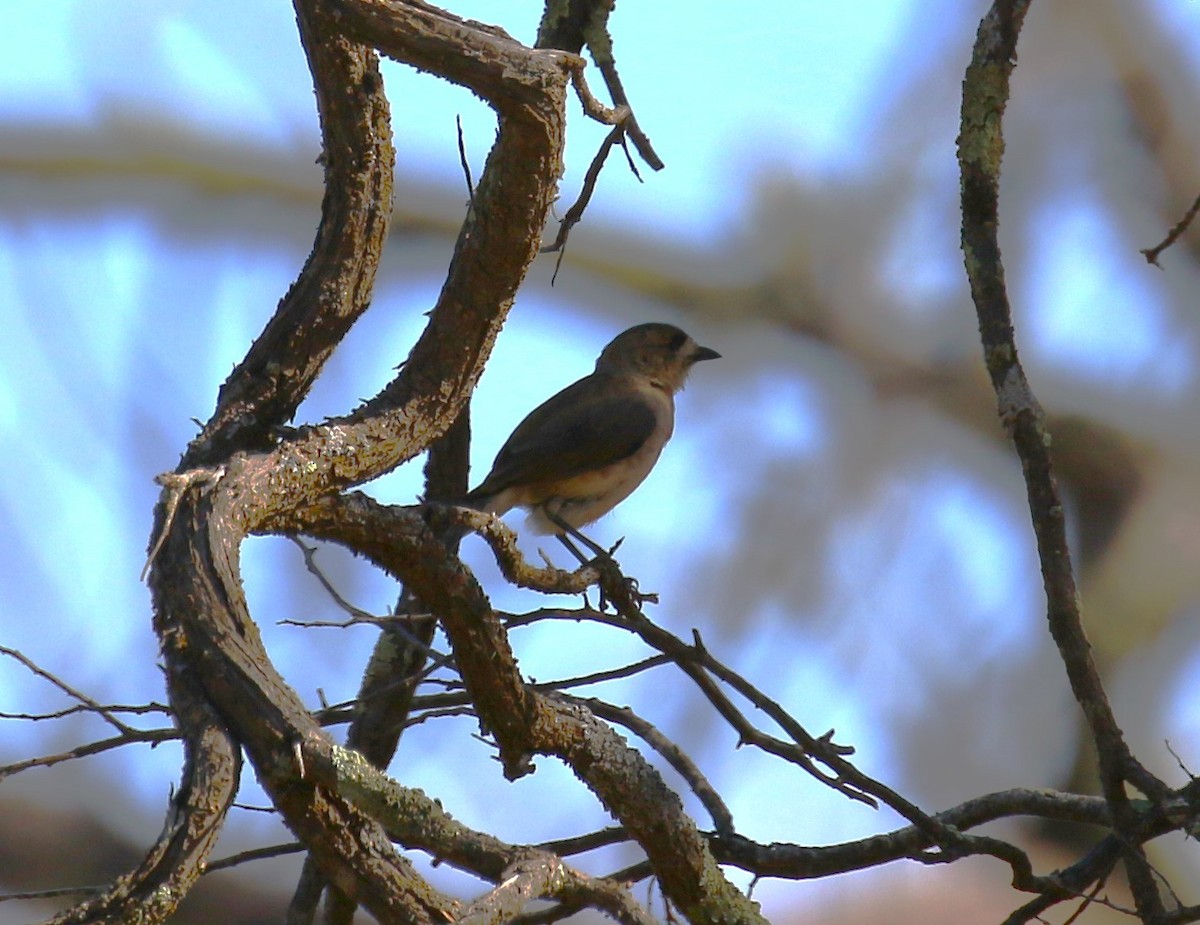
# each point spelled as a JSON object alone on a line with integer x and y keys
{"x": 705, "y": 353}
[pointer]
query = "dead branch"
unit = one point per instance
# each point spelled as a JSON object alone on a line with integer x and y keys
{"x": 416, "y": 821}
{"x": 981, "y": 146}
{"x": 1176, "y": 232}
{"x": 525, "y": 722}
{"x": 201, "y": 615}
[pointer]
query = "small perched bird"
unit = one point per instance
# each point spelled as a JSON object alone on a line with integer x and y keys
{"x": 583, "y": 451}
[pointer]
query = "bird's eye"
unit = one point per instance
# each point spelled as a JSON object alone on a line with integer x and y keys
{"x": 678, "y": 339}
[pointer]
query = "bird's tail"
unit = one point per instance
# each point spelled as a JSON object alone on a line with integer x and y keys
{"x": 477, "y": 500}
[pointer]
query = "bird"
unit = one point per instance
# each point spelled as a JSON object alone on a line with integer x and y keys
{"x": 587, "y": 448}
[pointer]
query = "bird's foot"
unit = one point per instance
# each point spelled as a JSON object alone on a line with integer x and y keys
{"x": 622, "y": 591}
{"x": 629, "y": 594}
{"x": 619, "y": 591}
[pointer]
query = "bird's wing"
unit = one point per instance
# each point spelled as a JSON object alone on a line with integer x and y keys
{"x": 588, "y": 425}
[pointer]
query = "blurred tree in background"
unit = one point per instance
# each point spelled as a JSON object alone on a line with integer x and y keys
{"x": 840, "y": 515}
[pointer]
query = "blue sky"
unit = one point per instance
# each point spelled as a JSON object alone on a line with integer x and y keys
{"x": 157, "y": 197}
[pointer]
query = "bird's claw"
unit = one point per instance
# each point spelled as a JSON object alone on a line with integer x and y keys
{"x": 630, "y": 591}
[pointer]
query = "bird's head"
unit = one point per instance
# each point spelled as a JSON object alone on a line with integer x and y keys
{"x": 661, "y": 353}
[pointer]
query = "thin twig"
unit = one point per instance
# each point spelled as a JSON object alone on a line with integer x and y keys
{"x": 84, "y": 700}
{"x": 133, "y": 737}
{"x": 602, "y": 838}
{"x": 310, "y": 563}
{"x": 251, "y": 808}
{"x": 620, "y": 117}
{"x": 134, "y": 709}
{"x": 575, "y": 213}
{"x": 466, "y": 166}
{"x": 1151, "y": 253}
{"x": 396, "y": 622}
{"x": 254, "y": 854}
{"x": 54, "y": 893}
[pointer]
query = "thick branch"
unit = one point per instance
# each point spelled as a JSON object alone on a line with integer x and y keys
{"x": 201, "y": 613}
{"x": 207, "y": 633}
{"x": 486, "y": 60}
{"x": 152, "y": 892}
{"x": 334, "y": 288}
{"x": 417, "y": 821}
{"x": 525, "y": 722}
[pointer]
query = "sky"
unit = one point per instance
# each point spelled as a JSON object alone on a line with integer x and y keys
{"x": 157, "y": 196}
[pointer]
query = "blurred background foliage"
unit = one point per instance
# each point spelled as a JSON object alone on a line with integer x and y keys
{"x": 839, "y": 513}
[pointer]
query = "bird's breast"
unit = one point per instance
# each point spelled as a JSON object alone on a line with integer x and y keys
{"x": 588, "y": 496}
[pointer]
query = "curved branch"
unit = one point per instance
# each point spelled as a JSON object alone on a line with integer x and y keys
{"x": 509, "y": 76}
{"x": 801, "y": 862}
{"x": 206, "y": 632}
{"x": 334, "y": 288}
{"x": 152, "y": 892}
{"x": 495, "y": 247}
{"x": 201, "y": 615}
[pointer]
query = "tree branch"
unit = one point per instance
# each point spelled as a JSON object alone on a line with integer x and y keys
{"x": 980, "y": 150}
{"x": 525, "y": 722}
{"x": 201, "y": 614}
{"x": 417, "y": 821}
{"x": 334, "y": 288}
{"x": 212, "y": 763}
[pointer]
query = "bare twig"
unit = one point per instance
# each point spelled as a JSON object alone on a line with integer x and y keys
{"x": 52, "y": 894}
{"x": 398, "y": 624}
{"x": 466, "y": 165}
{"x": 621, "y": 118}
{"x": 575, "y": 213}
{"x": 1151, "y": 253}
{"x": 135, "y": 709}
{"x": 132, "y": 737}
{"x": 254, "y": 854}
{"x": 85, "y": 702}
{"x": 600, "y": 677}
{"x": 365, "y": 620}
{"x": 565, "y": 847}
{"x": 251, "y": 808}
{"x": 310, "y": 563}
{"x": 697, "y": 662}
{"x": 846, "y": 778}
